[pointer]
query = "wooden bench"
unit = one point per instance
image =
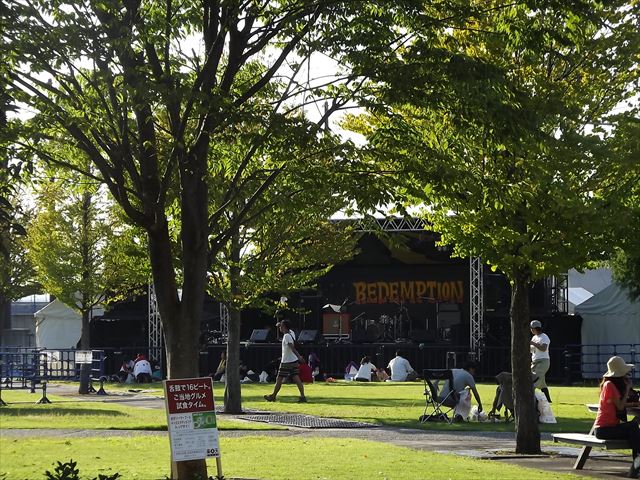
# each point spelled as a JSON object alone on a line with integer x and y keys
{"x": 588, "y": 441}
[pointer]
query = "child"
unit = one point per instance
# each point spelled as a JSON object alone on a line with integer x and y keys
{"x": 366, "y": 370}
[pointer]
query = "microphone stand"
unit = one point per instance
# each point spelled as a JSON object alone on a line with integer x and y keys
{"x": 342, "y": 307}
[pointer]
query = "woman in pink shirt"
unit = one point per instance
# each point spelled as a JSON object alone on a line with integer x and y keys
{"x": 614, "y": 393}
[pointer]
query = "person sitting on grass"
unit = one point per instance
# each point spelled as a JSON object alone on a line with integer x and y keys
{"x": 289, "y": 363}
{"x": 142, "y": 369}
{"x": 366, "y": 370}
{"x": 614, "y": 394}
{"x": 401, "y": 369}
{"x": 222, "y": 367}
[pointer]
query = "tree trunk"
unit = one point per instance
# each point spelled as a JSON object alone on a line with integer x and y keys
{"x": 85, "y": 344}
{"x": 5, "y": 315}
{"x": 233, "y": 389}
{"x": 526, "y": 418}
{"x": 181, "y": 318}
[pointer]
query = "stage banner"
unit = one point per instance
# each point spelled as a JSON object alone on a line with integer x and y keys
{"x": 191, "y": 418}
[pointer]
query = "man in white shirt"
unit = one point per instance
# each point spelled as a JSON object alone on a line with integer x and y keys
{"x": 401, "y": 369}
{"x": 540, "y": 360}
{"x": 289, "y": 363}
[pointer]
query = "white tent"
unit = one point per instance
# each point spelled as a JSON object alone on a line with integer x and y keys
{"x": 57, "y": 326}
{"x": 610, "y": 326}
{"x": 577, "y": 296}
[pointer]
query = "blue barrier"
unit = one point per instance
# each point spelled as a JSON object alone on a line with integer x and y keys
{"x": 26, "y": 367}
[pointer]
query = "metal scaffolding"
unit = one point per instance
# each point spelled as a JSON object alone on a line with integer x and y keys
{"x": 224, "y": 322}
{"x": 476, "y": 306}
{"x": 155, "y": 326}
{"x": 391, "y": 224}
{"x": 558, "y": 293}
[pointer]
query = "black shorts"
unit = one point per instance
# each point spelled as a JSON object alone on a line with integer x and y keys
{"x": 290, "y": 369}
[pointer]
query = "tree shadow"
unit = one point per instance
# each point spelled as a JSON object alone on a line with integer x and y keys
{"x": 40, "y": 411}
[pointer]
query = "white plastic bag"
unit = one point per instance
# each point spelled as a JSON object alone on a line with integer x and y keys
{"x": 544, "y": 409}
{"x": 263, "y": 377}
{"x": 463, "y": 408}
{"x": 477, "y": 416}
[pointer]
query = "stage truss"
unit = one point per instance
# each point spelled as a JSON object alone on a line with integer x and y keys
{"x": 224, "y": 322}
{"x": 476, "y": 306}
{"x": 155, "y": 326}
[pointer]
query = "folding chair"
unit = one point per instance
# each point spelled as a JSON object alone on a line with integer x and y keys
{"x": 432, "y": 399}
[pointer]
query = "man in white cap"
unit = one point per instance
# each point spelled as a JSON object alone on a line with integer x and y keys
{"x": 540, "y": 360}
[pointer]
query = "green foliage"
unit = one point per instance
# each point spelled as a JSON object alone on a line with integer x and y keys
{"x": 81, "y": 249}
{"x": 68, "y": 471}
{"x": 626, "y": 258}
{"x": 502, "y": 125}
{"x": 63, "y": 471}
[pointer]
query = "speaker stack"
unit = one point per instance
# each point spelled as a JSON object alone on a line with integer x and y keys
{"x": 310, "y": 336}
{"x": 260, "y": 335}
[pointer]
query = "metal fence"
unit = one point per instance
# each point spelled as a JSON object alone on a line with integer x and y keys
{"x": 590, "y": 360}
{"x": 24, "y": 367}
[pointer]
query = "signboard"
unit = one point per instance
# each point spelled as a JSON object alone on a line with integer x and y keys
{"x": 191, "y": 418}
{"x": 84, "y": 356}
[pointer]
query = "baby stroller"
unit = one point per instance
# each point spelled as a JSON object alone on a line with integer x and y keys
{"x": 504, "y": 397}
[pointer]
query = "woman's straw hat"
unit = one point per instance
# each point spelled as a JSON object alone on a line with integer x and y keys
{"x": 616, "y": 367}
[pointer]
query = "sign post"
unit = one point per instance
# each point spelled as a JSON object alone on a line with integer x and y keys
{"x": 191, "y": 420}
{"x": 84, "y": 357}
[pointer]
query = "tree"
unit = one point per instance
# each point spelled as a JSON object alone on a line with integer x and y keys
{"x": 502, "y": 124}
{"x": 282, "y": 248}
{"x": 71, "y": 243}
{"x": 142, "y": 88}
{"x": 16, "y": 273}
{"x": 626, "y": 258}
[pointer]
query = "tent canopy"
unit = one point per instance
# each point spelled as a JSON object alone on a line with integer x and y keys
{"x": 57, "y": 326}
{"x": 577, "y": 296}
{"x": 610, "y": 326}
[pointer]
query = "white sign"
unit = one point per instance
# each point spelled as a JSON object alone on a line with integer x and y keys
{"x": 191, "y": 419}
{"x": 84, "y": 356}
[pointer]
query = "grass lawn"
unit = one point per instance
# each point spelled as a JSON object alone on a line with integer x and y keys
{"x": 400, "y": 404}
{"x": 255, "y": 457}
{"x": 392, "y": 404}
{"x": 68, "y": 413}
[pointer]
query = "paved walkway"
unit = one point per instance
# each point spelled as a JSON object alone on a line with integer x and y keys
{"x": 487, "y": 445}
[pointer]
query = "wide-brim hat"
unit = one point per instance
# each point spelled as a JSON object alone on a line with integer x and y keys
{"x": 617, "y": 367}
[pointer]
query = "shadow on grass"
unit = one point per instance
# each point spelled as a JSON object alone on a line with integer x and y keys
{"x": 46, "y": 412}
{"x": 335, "y": 401}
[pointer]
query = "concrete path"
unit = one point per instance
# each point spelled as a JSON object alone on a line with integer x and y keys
{"x": 485, "y": 445}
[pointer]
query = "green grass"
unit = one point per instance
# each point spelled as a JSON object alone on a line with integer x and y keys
{"x": 400, "y": 404}
{"x": 392, "y": 404}
{"x": 254, "y": 457}
{"x": 67, "y": 413}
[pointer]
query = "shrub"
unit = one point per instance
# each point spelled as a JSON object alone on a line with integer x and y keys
{"x": 68, "y": 471}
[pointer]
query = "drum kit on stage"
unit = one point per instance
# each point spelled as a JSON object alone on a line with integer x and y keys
{"x": 387, "y": 328}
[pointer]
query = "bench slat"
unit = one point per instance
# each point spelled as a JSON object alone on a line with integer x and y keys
{"x": 590, "y": 440}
